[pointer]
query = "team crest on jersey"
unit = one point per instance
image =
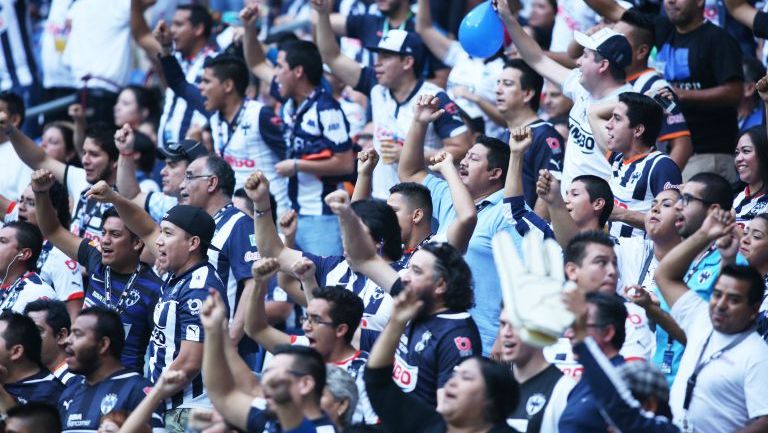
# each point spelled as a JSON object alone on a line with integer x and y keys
{"x": 133, "y": 298}
{"x": 535, "y": 404}
{"x": 422, "y": 344}
{"x": 464, "y": 344}
{"x": 704, "y": 276}
{"x": 108, "y": 403}
{"x": 194, "y": 306}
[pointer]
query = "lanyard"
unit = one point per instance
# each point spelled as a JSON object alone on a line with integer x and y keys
{"x": 126, "y": 290}
{"x": 231, "y": 129}
{"x": 385, "y": 30}
{"x": 691, "y": 384}
{"x": 12, "y": 290}
{"x": 646, "y": 265}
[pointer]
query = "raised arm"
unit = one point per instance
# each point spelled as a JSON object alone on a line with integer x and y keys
{"x": 366, "y": 162}
{"x": 127, "y": 183}
{"x": 30, "y": 154}
{"x": 438, "y": 43}
{"x": 140, "y": 30}
{"x": 79, "y": 125}
{"x": 673, "y": 267}
{"x": 134, "y": 217}
{"x": 599, "y": 115}
{"x": 141, "y": 416}
{"x": 653, "y": 310}
{"x": 256, "y": 324}
{"x": 359, "y": 245}
{"x": 406, "y": 305}
{"x": 724, "y": 94}
{"x": 460, "y": 231}
{"x": 346, "y": 69}
{"x": 254, "y": 53}
{"x": 220, "y": 383}
{"x": 60, "y": 237}
{"x": 529, "y": 49}
{"x": 267, "y": 240}
{"x": 412, "y": 167}
{"x": 742, "y": 12}
{"x": 548, "y": 190}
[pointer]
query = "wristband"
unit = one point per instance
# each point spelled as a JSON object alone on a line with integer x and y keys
{"x": 260, "y": 213}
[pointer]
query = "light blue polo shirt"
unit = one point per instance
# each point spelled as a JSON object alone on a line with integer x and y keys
{"x": 700, "y": 277}
{"x": 479, "y": 256}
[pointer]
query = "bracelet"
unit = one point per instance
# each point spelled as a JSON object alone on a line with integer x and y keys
{"x": 260, "y": 213}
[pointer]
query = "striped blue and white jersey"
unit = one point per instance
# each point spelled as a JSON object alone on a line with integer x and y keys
{"x": 17, "y": 62}
{"x": 315, "y": 130}
{"x": 748, "y": 205}
{"x": 177, "y": 115}
{"x": 41, "y": 387}
{"x": 177, "y": 319}
{"x": 82, "y": 405}
{"x": 649, "y": 82}
{"x": 252, "y": 141}
{"x": 134, "y": 307}
{"x": 27, "y": 288}
{"x": 158, "y": 204}
{"x": 524, "y": 219}
{"x": 635, "y": 181}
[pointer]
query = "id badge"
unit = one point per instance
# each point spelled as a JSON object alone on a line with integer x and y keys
{"x": 666, "y": 363}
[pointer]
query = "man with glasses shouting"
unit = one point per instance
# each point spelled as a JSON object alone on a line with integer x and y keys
{"x": 333, "y": 315}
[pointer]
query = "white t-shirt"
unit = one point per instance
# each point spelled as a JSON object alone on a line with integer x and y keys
{"x": 582, "y": 154}
{"x": 477, "y": 76}
{"x": 15, "y": 174}
{"x": 631, "y": 254}
{"x": 62, "y": 273}
{"x": 52, "y": 45}
{"x": 572, "y": 15}
{"x": 100, "y": 42}
{"x": 730, "y": 390}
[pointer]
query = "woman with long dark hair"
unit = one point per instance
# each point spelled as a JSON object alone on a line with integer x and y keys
{"x": 752, "y": 166}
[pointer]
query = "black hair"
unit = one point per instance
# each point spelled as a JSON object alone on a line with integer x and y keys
{"x": 450, "y": 266}
{"x": 529, "y": 80}
{"x": 643, "y": 110}
{"x": 576, "y": 249}
{"x": 199, "y": 15}
{"x": 610, "y": 311}
{"x": 502, "y": 391}
{"x": 37, "y": 416}
{"x": 753, "y": 69}
{"x": 751, "y": 276}
{"x": 498, "y": 154}
{"x": 416, "y": 194}
{"x": 229, "y": 67}
{"x": 21, "y": 330}
{"x": 111, "y": 212}
{"x": 67, "y": 132}
{"x": 597, "y": 187}
{"x": 147, "y": 152}
{"x": 759, "y": 138}
{"x": 60, "y": 201}
{"x": 223, "y": 172}
{"x": 617, "y": 74}
{"x": 15, "y": 105}
{"x": 57, "y": 317}
{"x": 381, "y": 221}
{"x": 28, "y": 236}
{"x": 306, "y": 55}
{"x": 346, "y": 308}
{"x": 717, "y": 190}
{"x": 108, "y": 324}
{"x": 308, "y": 361}
{"x": 103, "y": 135}
{"x": 641, "y": 36}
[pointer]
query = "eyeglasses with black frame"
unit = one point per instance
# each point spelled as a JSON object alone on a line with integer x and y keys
{"x": 687, "y": 198}
{"x": 314, "y": 320}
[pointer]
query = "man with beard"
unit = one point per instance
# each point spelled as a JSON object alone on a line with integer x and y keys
{"x": 443, "y": 333}
{"x": 118, "y": 279}
{"x": 94, "y": 348}
{"x": 99, "y": 163}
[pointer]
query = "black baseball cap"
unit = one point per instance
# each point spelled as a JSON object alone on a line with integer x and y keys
{"x": 188, "y": 150}
{"x": 193, "y": 220}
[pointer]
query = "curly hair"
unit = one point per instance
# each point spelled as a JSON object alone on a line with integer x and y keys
{"x": 450, "y": 266}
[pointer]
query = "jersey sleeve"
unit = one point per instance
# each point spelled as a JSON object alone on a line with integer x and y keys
{"x": 241, "y": 249}
{"x": 190, "y": 303}
{"x": 453, "y": 348}
{"x": 176, "y": 80}
{"x": 524, "y": 220}
{"x": 550, "y": 139}
{"x": 665, "y": 174}
{"x": 334, "y": 127}
{"x": 158, "y": 204}
{"x": 449, "y": 124}
{"x": 367, "y": 81}
{"x": 88, "y": 256}
{"x": 257, "y": 418}
{"x": 65, "y": 275}
{"x": 271, "y": 129}
{"x": 323, "y": 265}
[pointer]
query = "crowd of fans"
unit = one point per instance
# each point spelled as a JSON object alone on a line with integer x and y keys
{"x": 328, "y": 216}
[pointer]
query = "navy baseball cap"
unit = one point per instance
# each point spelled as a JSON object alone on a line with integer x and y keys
{"x": 192, "y": 220}
{"x": 608, "y": 43}
{"x": 188, "y": 150}
{"x": 401, "y": 42}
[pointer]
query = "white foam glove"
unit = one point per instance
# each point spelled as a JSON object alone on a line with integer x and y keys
{"x": 531, "y": 292}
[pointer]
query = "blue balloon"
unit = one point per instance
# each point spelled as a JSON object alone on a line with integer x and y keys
{"x": 481, "y": 32}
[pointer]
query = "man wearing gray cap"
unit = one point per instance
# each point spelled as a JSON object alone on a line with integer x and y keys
{"x": 177, "y": 156}
{"x": 180, "y": 245}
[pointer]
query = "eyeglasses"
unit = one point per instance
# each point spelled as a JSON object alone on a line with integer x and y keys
{"x": 190, "y": 176}
{"x": 687, "y": 198}
{"x": 314, "y": 320}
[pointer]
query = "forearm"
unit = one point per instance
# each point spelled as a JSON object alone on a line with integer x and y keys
{"x": 362, "y": 187}
{"x": 339, "y": 164}
{"x": 141, "y": 32}
{"x": 681, "y": 149}
{"x": 672, "y": 268}
{"x": 460, "y": 231}
{"x": 626, "y": 216}
{"x": 254, "y": 55}
{"x": 189, "y": 362}
{"x": 141, "y": 416}
{"x": 127, "y": 183}
{"x": 513, "y": 185}
{"x": 457, "y": 146}
{"x": 137, "y": 220}
{"x": 246, "y": 381}
{"x": 78, "y": 135}
{"x": 267, "y": 239}
{"x": 411, "y": 167}
{"x": 666, "y": 322}
{"x": 255, "y": 311}
{"x": 562, "y": 224}
{"x": 437, "y": 43}
{"x": 743, "y": 12}
{"x": 718, "y": 96}
{"x": 236, "y": 327}
{"x": 384, "y": 349}
{"x": 597, "y": 122}
{"x": 347, "y": 70}
{"x": 293, "y": 287}
{"x": 28, "y": 151}
{"x": 490, "y": 110}
{"x": 358, "y": 247}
